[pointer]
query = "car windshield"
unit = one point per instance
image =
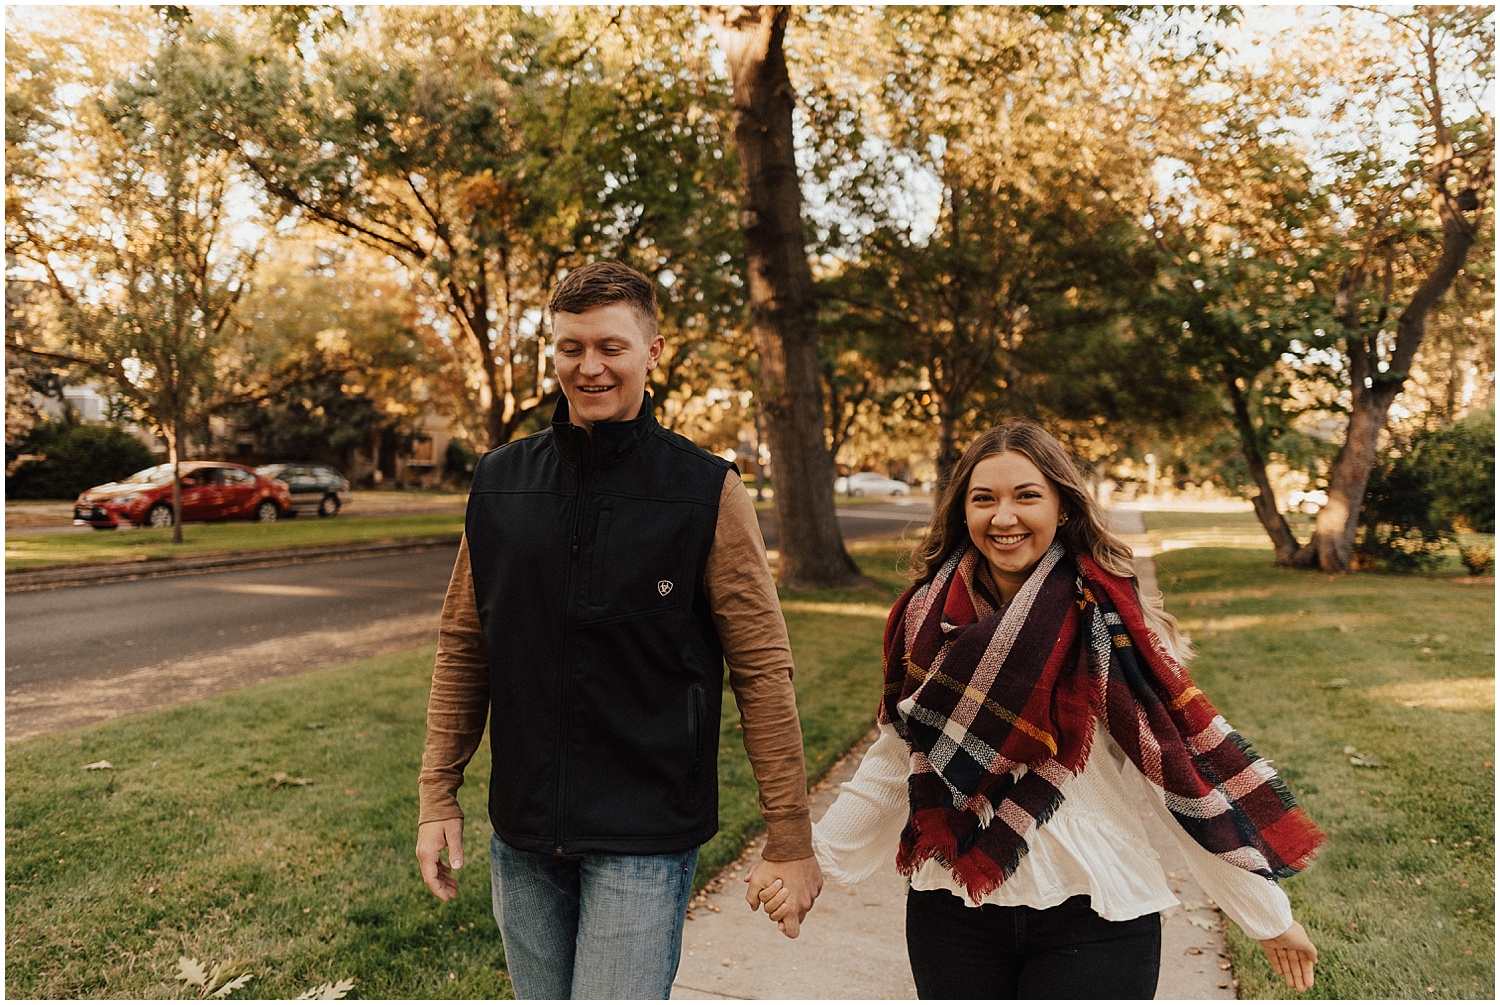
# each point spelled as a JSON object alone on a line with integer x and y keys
{"x": 160, "y": 473}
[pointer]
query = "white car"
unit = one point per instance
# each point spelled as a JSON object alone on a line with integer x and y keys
{"x": 868, "y": 483}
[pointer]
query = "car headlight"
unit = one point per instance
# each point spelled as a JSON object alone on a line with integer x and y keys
{"x": 126, "y": 500}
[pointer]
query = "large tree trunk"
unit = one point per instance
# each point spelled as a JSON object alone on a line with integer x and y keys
{"x": 1373, "y": 389}
{"x": 783, "y": 310}
{"x": 1282, "y": 538}
{"x": 948, "y": 454}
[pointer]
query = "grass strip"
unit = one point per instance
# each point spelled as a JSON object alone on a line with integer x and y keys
{"x": 47, "y": 551}
{"x": 1324, "y": 672}
{"x": 189, "y": 846}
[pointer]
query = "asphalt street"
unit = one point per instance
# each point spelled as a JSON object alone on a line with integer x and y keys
{"x": 82, "y": 654}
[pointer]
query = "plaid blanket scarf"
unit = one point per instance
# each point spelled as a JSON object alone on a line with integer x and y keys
{"x": 978, "y": 692}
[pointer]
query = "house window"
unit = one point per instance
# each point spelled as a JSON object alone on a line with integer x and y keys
{"x": 421, "y": 451}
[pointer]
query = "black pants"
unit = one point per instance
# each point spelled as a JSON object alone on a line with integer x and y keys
{"x": 1067, "y": 951}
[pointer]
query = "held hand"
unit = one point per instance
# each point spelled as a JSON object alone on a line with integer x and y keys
{"x": 801, "y": 880}
{"x": 1292, "y": 956}
{"x": 432, "y": 838}
{"x": 773, "y": 899}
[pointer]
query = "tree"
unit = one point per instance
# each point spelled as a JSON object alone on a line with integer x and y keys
{"x": 143, "y": 263}
{"x": 783, "y": 311}
{"x": 1308, "y": 280}
{"x": 336, "y": 356}
{"x": 1008, "y": 281}
{"x": 488, "y": 150}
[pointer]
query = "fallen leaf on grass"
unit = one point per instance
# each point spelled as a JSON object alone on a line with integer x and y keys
{"x": 223, "y": 980}
{"x": 282, "y": 778}
{"x": 191, "y": 971}
{"x": 1362, "y": 760}
{"x": 1336, "y": 682}
{"x": 98, "y": 766}
{"x": 327, "y": 992}
{"x": 233, "y": 985}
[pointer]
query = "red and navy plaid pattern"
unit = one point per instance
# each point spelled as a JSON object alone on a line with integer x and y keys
{"x": 980, "y": 692}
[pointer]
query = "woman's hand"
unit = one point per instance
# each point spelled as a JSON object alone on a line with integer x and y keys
{"x": 1292, "y": 956}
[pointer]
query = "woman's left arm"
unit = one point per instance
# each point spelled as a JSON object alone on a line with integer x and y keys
{"x": 1255, "y": 903}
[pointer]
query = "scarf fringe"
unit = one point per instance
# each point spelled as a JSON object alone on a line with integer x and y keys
{"x": 931, "y": 834}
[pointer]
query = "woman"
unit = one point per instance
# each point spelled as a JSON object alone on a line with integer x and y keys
{"x": 1029, "y": 690}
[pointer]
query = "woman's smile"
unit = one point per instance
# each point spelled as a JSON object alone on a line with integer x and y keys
{"x": 1012, "y": 512}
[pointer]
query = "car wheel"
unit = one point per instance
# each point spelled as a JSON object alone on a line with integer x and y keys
{"x": 267, "y": 512}
{"x": 159, "y": 515}
{"x": 329, "y": 506}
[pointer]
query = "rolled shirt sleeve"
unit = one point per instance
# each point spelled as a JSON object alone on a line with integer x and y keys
{"x": 752, "y": 631}
{"x": 459, "y": 701}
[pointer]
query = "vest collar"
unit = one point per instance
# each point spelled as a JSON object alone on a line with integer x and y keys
{"x": 609, "y": 440}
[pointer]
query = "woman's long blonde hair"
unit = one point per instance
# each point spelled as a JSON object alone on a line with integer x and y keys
{"x": 1084, "y": 532}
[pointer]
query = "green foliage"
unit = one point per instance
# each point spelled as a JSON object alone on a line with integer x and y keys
{"x": 1460, "y": 460}
{"x": 75, "y": 456}
{"x": 1415, "y": 496}
{"x": 488, "y": 150}
{"x": 1402, "y": 527}
{"x": 458, "y": 462}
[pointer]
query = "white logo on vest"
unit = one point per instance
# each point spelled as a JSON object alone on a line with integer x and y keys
{"x": 664, "y": 587}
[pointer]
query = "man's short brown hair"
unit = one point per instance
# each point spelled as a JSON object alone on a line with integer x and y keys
{"x": 599, "y": 284}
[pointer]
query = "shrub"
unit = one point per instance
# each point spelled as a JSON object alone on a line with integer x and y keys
{"x": 458, "y": 463}
{"x": 1401, "y": 527}
{"x": 1460, "y": 460}
{"x": 1478, "y": 559}
{"x": 76, "y": 457}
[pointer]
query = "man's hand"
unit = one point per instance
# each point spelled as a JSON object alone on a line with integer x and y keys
{"x": 800, "y": 883}
{"x": 1292, "y": 956}
{"x": 432, "y": 838}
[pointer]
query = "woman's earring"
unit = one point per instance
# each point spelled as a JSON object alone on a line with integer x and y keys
{"x": 1062, "y": 519}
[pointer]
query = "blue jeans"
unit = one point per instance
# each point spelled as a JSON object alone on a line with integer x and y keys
{"x": 590, "y": 926}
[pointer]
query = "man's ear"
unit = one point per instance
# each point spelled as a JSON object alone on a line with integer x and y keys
{"x": 653, "y": 354}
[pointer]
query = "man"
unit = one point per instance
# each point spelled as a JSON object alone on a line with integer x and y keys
{"x": 609, "y": 569}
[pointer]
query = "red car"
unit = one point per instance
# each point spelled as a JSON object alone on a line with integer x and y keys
{"x": 211, "y": 490}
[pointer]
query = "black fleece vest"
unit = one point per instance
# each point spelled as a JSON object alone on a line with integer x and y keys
{"x": 606, "y": 672}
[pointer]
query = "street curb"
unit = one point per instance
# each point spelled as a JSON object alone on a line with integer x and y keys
{"x": 85, "y": 575}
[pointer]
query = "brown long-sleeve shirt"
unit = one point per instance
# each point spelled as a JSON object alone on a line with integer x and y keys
{"x": 746, "y": 613}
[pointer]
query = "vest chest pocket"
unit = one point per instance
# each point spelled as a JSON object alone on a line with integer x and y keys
{"x": 643, "y": 558}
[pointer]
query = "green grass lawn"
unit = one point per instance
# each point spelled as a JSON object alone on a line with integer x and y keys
{"x": 1400, "y": 670}
{"x": 44, "y": 551}
{"x": 185, "y": 847}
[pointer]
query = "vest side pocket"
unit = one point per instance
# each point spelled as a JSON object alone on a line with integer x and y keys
{"x": 697, "y": 712}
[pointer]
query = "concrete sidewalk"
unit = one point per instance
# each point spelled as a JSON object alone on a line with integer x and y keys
{"x": 853, "y": 944}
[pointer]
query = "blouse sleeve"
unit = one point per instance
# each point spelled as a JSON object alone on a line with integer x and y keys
{"x": 1253, "y": 902}
{"x": 862, "y": 829}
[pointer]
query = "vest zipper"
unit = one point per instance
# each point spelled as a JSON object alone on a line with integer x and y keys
{"x": 562, "y": 689}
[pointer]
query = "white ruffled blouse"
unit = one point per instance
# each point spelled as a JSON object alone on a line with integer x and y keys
{"x": 1094, "y": 844}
